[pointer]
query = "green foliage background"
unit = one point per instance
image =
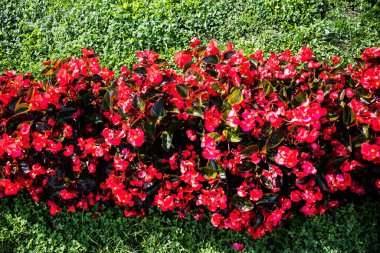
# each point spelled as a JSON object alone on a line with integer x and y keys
{"x": 32, "y": 31}
{"x": 36, "y": 30}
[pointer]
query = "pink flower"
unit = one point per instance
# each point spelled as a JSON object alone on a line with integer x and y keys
{"x": 135, "y": 137}
{"x": 238, "y": 246}
{"x": 212, "y": 119}
{"x": 286, "y": 156}
{"x": 255, "y": 194}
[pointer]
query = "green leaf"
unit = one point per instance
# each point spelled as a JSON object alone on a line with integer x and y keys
{"x": 333, "y": 115}
{"x": 299, "y": 98}
{"x": 41, "y": 126}
{"x": 109, "y": 97}
{"x": 21, "y": 108}
{"x": 187, "y": 67}
{"x": 217, "y": 87}
{"x": 161, "y": 62}
{"x": 157, "y": 109}
{"x": 246, "y": 166}
{"x": 150, "y": 131}
{"x": 268, "y": 199}
{"x": 364, "y": 129}
{"x": 195, "y": 111}
{"x": 363, "y": 92}
{"x": 250, "y": 150}
{"x": 231, "y": 136}
{"x": 229, "y": 54}
{"x": 359, "y": 140}
{"x": 348, "y": 115}
{"x": 166, "y": 139}
{"x": 275, "y": 139}
{"x": 214, "y": 135}
{"x": 321, "y": 182}
{"x": 360, "y": 62}
{"x": 235, "y": 97}
{"x": 139, "y": 103}
{"x": 217, "y": 167}
{"x": 182, "y": 90}
{"x": 338, "y": 71}
{"x": 208, "y": 172}
{"x": 268, "y": 88}
{"x": 47, "y": 71}
{"x": 211, "y": 59}
{"x": 243, "y": 204}
{"x": 140, "y": 70}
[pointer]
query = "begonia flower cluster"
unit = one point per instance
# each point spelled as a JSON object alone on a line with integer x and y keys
{"x": 247, "y": 140}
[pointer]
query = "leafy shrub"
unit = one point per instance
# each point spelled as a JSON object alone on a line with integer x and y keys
{"x": 247, "y": 139}
{"x": 32, "y": 31}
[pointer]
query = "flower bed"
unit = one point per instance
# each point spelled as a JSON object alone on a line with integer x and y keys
{"x": 249, "y": 139}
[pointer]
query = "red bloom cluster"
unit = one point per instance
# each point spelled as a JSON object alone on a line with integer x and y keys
{"x": 247, "y": 139}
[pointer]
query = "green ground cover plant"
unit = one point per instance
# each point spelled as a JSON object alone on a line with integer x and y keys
{"x": 33, "y": 31}
{"x": 28, "y": 227}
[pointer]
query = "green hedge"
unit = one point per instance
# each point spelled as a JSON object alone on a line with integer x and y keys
{"x": 27, "y": 228}
{"x": 35, "y": 30}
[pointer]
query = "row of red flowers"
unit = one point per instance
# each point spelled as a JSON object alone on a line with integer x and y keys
{"x": 247, "y": 139}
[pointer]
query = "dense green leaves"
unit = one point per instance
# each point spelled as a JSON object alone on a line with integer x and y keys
{"x": 34, "y": 31}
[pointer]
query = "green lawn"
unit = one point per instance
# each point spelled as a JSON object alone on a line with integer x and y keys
{"x": 32, "y": 31}
{"x": 28, "y": 227}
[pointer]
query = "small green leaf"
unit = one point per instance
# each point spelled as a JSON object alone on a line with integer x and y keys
{"x": 244, "y": 205}
{"x": 157, "y": 109}
{"x": 338, "y": 71}
{"x": 211, "y": 59}
{"x": 246, "y": 166}
{"x": 140, "y": 70}
{"x": 359, "y": 140}
{"x": 182, "y": 90}
{"x": 166, "y": 139}
{"x": 109, "y": 97}
{"x": 249, "y": 150}
{"x": 214, "y": 135}
{"x": 268, "y": 199}
{"x": 217, "y": 167}
{"x": 364, "y": 129}
{"x": 21, "y": 108}
{"x": 41, "y": 126}
{"x": 229, "y": 54}
{"x": 348, "y": 115}
{"x": 208, "y": 172}
{"x": 161, "y": 62}
{"x": 139, "y": 103}
{"x": 321, "y": 183}
{"x": 299, "y": 98}
{"x": 363, "y": 92}
{"x": 235, "y": 97}
{"x": 187, "y": 67}
{"x": 216, "y": 87}
{"x": 268, "y": 88}
{"x": 333, "y": 115}
{"x": 275, "y": 139}
{"x": 195, "y": 111}
{"x": 231, "y": 136}
{"x": 149, "y": 130}
{"x": 47, "y": 71}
